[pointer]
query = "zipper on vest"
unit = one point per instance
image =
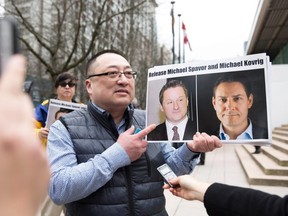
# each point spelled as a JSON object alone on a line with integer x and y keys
{"x": 148, "y": 163}
{"x": 130, "y": 192}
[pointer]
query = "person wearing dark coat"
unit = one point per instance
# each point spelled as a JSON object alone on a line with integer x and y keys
{"x": 173, "y": 98}
{"x": 160, "y": 132}
{"x": 226, "y": 200}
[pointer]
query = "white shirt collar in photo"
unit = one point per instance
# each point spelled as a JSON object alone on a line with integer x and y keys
{"x": 247, "y": 134}
{"x": 181, "y": 128}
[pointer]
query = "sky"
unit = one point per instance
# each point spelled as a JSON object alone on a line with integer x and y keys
{"x": 216, "y": 29}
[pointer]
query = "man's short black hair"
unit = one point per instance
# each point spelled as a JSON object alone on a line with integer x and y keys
{"x": 94, "y": 57}
{"x": 62, "y": 110}
{"x": 230, "y": 77}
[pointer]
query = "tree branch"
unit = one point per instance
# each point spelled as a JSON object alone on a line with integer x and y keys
{"x": 30, "y": 28}
{"x": 49, "y": 68}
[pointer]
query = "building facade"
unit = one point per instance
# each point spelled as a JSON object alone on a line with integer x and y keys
{"x": 61, "y": 35}
{"x": 269, "y": 35}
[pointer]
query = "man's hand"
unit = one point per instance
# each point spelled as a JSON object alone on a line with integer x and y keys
{"x": 134, "y": 144}
{"x": 202, "y": 142}
{"x": 24, "y": 167}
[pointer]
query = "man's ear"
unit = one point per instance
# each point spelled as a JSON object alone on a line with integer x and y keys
{"x": 88, "y": 86}
{"x": 250, "y": 101}
{"x": 213, "y": 102}
{"x": 161, "y": 108}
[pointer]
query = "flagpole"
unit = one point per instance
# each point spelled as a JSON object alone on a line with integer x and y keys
{"x": 183, "y": 52}
{"x": 179, "y": 57}
{"x": 173, "y": 35}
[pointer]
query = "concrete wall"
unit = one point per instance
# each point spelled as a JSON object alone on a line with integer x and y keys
{"x": 278, "y": 97}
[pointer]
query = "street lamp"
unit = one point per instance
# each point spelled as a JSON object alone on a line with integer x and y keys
{"x": 173, "y": 34}
{"x": 179, "y": 57}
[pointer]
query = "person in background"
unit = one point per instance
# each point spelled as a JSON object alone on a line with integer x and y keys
{"x": 24, "y": 167}
{"x": 225, "y": 200}
{"x": 65, "y": 87}
{"x": 100, "y": 165}
{"x": 232, "y": 99}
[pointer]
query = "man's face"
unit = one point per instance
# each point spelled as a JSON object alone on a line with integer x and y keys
{"x": 232, "y": 104}
{"x": 107, "y": 93}
{"x": 174, "y": 104}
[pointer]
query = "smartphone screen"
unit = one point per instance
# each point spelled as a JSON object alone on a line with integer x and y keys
{"x": 8, "y": 39}
{"x": 167, "y": 173}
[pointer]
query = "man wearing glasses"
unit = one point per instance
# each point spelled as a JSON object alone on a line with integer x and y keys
{"x": 100, "y": 165}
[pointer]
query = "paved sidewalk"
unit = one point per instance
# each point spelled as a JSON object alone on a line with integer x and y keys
{"x": 221, "y": 165}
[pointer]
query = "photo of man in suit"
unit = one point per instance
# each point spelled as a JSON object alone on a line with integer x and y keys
{"x": 232, "y": 99}
{"x": 173, "y": 98}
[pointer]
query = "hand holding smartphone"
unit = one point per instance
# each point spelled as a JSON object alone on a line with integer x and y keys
{"x": 8, "y": 39}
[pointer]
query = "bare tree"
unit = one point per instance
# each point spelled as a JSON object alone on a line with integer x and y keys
{"x": 59, "y": 35}
{"x": 63, "y": 33}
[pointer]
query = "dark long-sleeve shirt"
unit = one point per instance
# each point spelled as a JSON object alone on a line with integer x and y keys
{"x": 225, "y": 200}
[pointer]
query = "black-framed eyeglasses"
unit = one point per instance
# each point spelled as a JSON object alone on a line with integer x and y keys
{"x": 64, "y": 84}
{"x": 116, "y": 74}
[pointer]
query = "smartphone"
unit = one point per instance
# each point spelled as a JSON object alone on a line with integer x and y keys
{"x": 167, "y": 173}
{"x": 9, "y": 44}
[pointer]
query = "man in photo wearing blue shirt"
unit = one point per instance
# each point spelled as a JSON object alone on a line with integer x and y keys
{"x": 232, "y": 99}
